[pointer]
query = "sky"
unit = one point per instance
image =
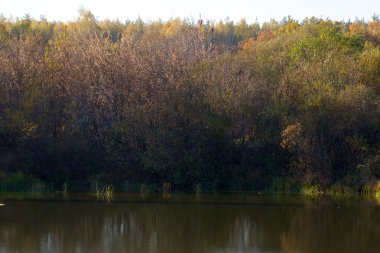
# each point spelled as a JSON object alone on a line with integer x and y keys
{"x": 150, "y": 10}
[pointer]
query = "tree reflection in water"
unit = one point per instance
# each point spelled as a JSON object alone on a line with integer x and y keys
{"x": 246, "y": 225}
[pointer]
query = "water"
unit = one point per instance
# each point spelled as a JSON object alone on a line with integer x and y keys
{"x": 188, "y": 223}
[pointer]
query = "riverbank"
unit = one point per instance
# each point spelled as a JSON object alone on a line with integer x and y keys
{"x": 20, "y": 182}
{"x": 194, "y": 106}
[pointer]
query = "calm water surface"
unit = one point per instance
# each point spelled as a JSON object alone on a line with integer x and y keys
{"x": 188, "y": 223}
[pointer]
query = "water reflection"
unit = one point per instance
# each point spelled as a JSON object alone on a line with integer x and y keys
{"x": 190, "y": 224}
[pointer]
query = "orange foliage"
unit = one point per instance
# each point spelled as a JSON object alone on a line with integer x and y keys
{"x": 265, "y": 36}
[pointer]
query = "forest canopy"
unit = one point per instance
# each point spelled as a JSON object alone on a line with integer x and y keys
{"x": 197, "y": 104}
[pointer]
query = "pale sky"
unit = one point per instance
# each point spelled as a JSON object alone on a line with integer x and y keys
{"x": 148, "y": 10}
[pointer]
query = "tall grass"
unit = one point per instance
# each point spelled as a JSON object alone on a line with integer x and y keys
{"x": 104, "y": 193}
{"x": 166, "y": 187}
{"x": 376, "y": 189}
{"x": 312, "y": 190}
{"x": 372, "y": 189}
{"x": 166, "y": 190}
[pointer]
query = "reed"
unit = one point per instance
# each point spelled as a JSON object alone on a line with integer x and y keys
{"x": 198, "y": 189}
{"x": 339, "y": 191}
{"x": 376, "y": 189}
{"x": 312, "y": 191}
{"x": 166, "y": 190}
{"x": 166, "y": 187}
{"x": 104, "y": 193}
{"x": 372, "y": 189}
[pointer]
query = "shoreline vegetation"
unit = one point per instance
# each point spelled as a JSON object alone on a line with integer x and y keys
{"x": 183, "y": 106}
{"x": 20, "y": 183}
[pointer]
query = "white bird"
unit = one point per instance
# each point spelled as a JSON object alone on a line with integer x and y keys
{"x": 1, "y": 204}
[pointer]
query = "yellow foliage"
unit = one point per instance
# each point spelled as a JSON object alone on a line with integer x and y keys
{"x": 29, "y": 128}
{"x": 172, "y": 27}
{"x": 374, "y": 29}
{"x": 289, "y": 27}
{"x": 290, "y": 136}
{"x": 356, "y": 28}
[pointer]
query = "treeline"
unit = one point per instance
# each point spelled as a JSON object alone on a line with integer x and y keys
{"x": 197, "y": 105}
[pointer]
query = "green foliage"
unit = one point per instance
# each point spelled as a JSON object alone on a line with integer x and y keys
{"x": 20, "y": 182}
{"x": 285, "y": 185}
